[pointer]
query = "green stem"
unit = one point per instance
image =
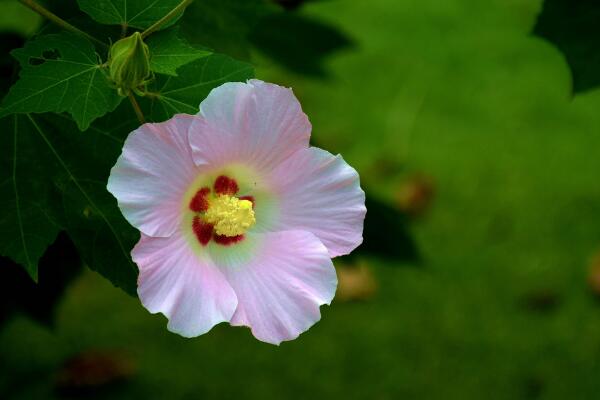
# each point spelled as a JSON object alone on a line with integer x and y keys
{"x": 136, "y": 107}
{"x": 172, "y": 14}
{"x": 38, "y": 8}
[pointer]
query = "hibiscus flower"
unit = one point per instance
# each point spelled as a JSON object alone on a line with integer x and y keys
{"x": 239, "y": 215}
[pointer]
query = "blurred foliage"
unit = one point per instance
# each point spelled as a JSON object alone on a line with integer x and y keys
{"x": 224, "y": 25}
{"x": 572, "y": 26}
{"x": 385, "y": 234}
{"x": 295, "y": 41}
{"x": 298, "y": 43}
{"x": 15, "y": 18}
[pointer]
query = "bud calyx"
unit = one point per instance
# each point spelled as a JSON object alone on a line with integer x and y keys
{"x": 129, "y": 64}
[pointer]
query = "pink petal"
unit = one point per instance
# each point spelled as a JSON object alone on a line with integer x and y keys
{"x": 189, "y": 290}
{"x": 281, "y": 287}
{"x": 152, "y": 174}
{"x": 255, "y": 123}
{"x": 320, "y": 193}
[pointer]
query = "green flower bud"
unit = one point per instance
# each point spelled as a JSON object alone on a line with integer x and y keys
{"x": 129, "y": 63}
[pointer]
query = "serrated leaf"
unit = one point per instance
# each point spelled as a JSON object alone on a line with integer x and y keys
{"x": 182, "y": 94}
{"x": 572, "y": 26}
{"x": 28, "y": 222}
{"x": 128, "y": 13}
{"x": 61, "y": 73}
{"x": 169, "y": 51}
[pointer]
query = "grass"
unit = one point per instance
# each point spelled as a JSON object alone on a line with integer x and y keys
{"x": 457, "y": 90}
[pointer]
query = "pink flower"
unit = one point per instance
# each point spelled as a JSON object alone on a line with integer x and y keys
{"x": 239, "y": 216}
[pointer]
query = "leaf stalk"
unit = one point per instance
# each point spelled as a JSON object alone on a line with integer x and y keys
{"x": 136, "y": 108}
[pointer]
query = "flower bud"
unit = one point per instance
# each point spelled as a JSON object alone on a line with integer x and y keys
{"x": 129, "y": 63}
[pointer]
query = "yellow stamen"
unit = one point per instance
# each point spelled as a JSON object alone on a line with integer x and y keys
{"x": 230, "y": 215}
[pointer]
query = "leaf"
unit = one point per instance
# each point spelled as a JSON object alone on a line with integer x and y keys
{"x": 29, "y": 222}
{"x": 59, "y": 265}
{"x": 129, "y": 13}
{"x": 60, "y": 72}
{"x": 572, "y": 26}
{"x": 182, "y": 94}
{"x": 299, "y": 43}
{"x": 57, "y": 181}
{"x": 169, "y": 51}
{"x": 92, "y": 217}
{"x": 102, "y": 235}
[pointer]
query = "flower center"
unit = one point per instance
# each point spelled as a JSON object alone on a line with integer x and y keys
{"x": 220, "y": 214}
{"x": 229, "y": 215}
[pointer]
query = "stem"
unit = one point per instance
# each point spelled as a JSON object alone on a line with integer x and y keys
{"x": 136, "y": 107}
{"x": 38, "y": 8}
{"x": 172, "y": 14}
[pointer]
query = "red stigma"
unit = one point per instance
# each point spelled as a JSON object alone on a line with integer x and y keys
{"x": 227, "y": 240}
{"x": 202, "y": 230}
{"x": 226, "y": 185}
{"x": 199, "y": 202}
{"x": 249, "y": 198}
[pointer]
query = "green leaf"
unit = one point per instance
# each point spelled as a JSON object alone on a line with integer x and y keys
{"x": 60, "y": 72}
{"x": 128, "y": 13}
{"x": 101, "y": 234}
{"x": 29, "y": 222}
{"x": 572, "y": 26}
{"x": 182, "y": 94}
{"x": 169, "y": 51}
{"x": 92, "y": 217}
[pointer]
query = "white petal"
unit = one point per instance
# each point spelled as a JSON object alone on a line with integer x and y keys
{"x": 188, "y": 289}
{"x": 281, "y": 285}
{"x": 152, "y": 175}
{"x": 320, "y": 193}
{"x": 256, "y": 123}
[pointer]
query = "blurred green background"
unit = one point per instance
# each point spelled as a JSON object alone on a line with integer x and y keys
{"x": 459, "y": 94}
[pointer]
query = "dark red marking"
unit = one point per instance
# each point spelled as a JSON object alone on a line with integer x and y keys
{"x": 202, "y": 230}
{"x": 199, "y": 202}
{"x": 226, "y": 185}
{"x": 227, "y": 240}
{"x": 249, "y": 198}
